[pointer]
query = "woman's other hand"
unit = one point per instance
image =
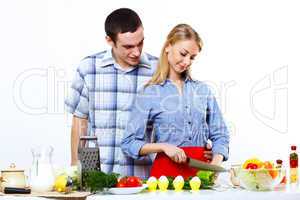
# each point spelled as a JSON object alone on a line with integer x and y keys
{"x": 208, "y": 152}
{"x": 217, "y": 159}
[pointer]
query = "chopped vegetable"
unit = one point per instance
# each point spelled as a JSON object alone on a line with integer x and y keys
{"x": 253, "y": 163}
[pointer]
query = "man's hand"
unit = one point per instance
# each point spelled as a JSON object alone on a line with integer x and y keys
{"x": 79, "y": 128}
{"x": 176, "y": 154}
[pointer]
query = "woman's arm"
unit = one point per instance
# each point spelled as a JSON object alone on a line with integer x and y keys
{"x": 176, "y": 154}
{"x": 140, "y": 123}
{"x": 151, "y": 148}
{"x": 136, "y": 142}
{"x": 218, "y": 132}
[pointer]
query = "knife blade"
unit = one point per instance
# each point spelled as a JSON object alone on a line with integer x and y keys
{"x": 205, "y": 166}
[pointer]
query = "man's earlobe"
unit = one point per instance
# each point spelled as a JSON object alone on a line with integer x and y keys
{"x": 109, "y": 40}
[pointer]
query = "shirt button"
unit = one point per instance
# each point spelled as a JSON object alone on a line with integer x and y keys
{"x": 190, "y": 138}
{"x": 189, "y": 122}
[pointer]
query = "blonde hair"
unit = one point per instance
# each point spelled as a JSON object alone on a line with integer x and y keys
{"x": 178, "y": 33}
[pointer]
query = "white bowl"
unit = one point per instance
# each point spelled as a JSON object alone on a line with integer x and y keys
{"x": 260, "y": 179}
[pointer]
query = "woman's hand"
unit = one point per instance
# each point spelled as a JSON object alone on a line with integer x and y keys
{"x": 217, "y": 159}
{"x": 208, "y": 152}
{"x": 176, "y": 154}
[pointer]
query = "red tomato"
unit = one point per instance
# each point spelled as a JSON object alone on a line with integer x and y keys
{"x": 251, "y": 166}
{"x": 121, "y": 184}
{"x": 133, "y": 181}
{"x": 129, "y": 181}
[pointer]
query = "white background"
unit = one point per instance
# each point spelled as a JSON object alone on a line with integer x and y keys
{"x": 250, "y": 57}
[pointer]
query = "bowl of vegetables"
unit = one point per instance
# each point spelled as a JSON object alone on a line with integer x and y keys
{"x": 260, "y": 176}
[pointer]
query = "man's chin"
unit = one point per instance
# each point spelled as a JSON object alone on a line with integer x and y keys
{"x": 133, "y": 62}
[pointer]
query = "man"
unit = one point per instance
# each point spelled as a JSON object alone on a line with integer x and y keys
{"x": 103, "y": 91}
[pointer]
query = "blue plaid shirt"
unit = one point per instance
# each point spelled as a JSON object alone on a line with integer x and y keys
{"x": 190, "y": 119}
{"x": 103, "y": 93}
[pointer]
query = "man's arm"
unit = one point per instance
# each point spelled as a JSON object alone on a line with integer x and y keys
{"x": 79, "y": 128}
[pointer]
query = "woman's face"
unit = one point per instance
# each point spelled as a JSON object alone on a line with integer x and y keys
{"x": 181, "y": 55}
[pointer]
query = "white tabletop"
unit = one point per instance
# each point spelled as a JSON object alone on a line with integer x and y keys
{"x": 230, "y": 194}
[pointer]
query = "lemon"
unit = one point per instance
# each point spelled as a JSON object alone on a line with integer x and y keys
{"x": 60, "y": 183}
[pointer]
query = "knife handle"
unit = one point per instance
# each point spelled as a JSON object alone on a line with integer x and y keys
{"x": 12, "y": 190}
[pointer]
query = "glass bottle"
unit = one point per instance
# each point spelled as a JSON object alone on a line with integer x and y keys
{"x": 293, "y": 165}
{"x": 41, "y": 172}
{"x": 278, "y": 164}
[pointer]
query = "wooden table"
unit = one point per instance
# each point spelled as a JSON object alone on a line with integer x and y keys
{"x": 52, "y": 195}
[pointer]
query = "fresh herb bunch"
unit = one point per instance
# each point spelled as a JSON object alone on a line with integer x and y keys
{"x": 96, "y": 180}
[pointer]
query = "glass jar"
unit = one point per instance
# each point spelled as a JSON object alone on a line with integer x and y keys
{"x": 41, "y": 172}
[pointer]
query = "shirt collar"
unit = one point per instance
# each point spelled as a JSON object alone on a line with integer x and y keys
{"x": 108, "y": 60}
{"x": 187, "y": 79}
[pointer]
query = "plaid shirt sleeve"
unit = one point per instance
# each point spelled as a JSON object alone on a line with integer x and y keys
{"x": 77, "y": 101}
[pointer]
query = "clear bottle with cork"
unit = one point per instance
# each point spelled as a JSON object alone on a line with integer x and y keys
{"x": 279, "y": 166}
{"x": 294, "y": 177}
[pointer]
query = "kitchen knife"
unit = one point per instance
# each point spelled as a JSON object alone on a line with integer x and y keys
{"x": 205, "y": 166}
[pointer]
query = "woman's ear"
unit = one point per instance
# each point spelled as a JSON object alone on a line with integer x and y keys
{"x": 168, "y": 48}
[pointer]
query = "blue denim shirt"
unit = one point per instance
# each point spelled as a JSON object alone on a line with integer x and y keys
{"x": 160, "y": 114}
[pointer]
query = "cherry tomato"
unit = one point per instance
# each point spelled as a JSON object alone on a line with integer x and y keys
{"x": 251, "y": 166}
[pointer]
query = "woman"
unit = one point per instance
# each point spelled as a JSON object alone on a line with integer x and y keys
{"x": 175, "y": 115}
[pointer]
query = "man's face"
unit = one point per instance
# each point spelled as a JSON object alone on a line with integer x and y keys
{"x": 128, "y": 47}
